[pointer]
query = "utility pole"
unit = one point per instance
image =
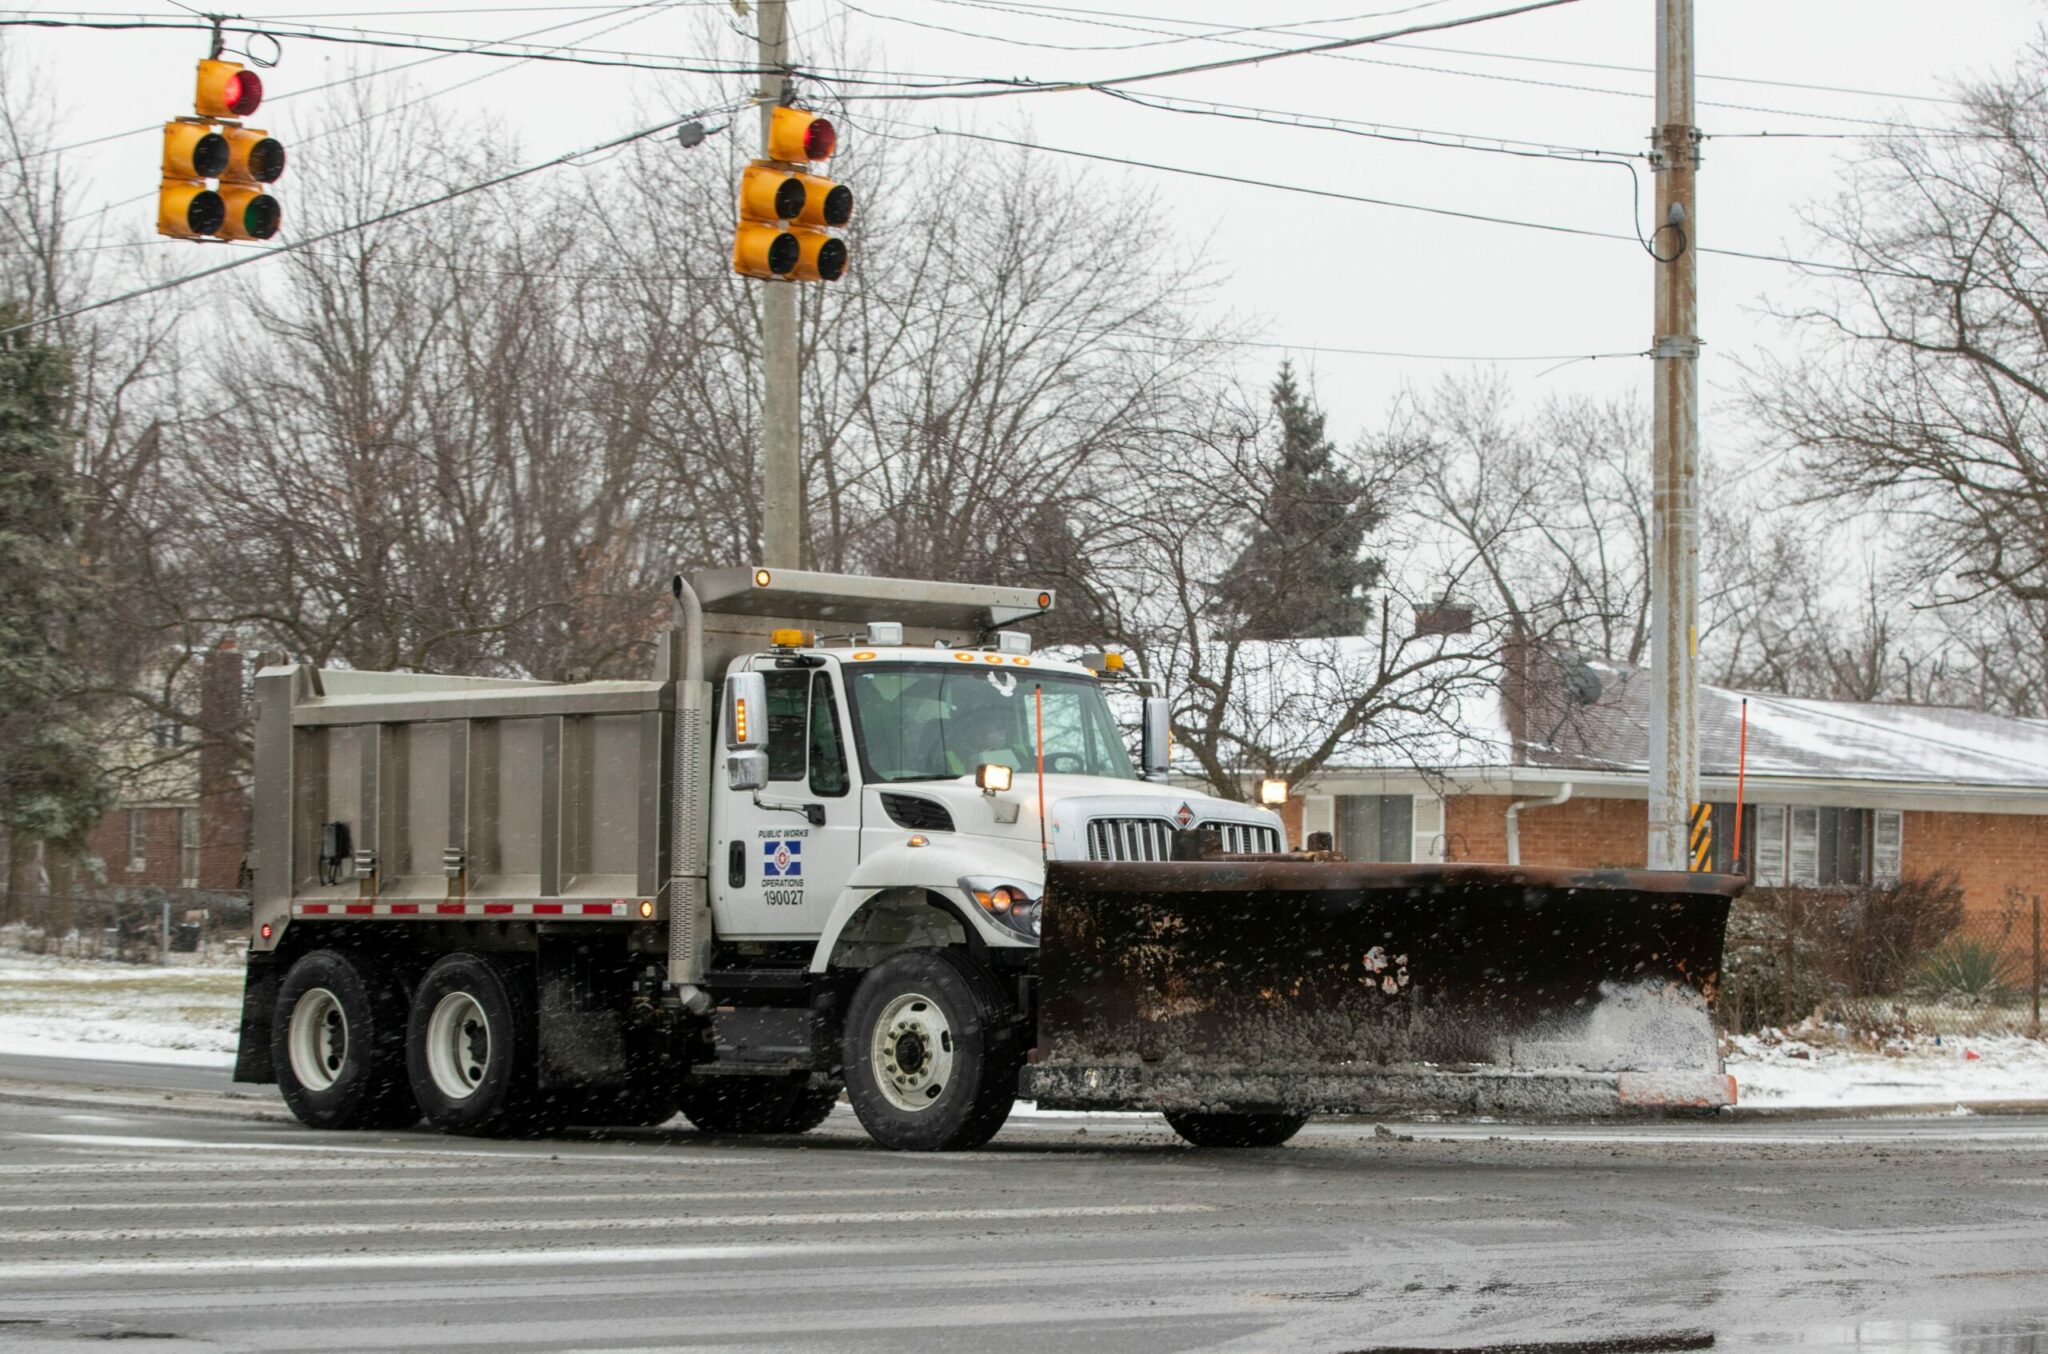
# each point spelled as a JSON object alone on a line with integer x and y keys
{"x": 1675, "y": 348}
{"x": 782, "y": 472}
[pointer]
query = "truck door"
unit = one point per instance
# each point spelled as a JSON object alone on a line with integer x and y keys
{"x": 775, "y": 873}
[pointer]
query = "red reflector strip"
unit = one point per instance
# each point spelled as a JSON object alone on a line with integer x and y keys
{"x": 620, "y": 909}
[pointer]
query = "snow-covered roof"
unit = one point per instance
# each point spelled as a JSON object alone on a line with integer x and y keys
{"x": 1788, "y": 737}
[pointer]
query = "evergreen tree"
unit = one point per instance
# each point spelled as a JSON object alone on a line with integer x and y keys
{"x": 1301, "y": 573}
{"x": 52, "y": 789}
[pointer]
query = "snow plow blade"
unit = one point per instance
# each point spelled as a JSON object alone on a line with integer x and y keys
{"x": 1255, "y": 984}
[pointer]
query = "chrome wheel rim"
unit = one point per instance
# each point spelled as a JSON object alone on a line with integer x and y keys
{"x": 912, "y": 1052}
{"x": 318, "y": 1039}
{"x": 458, "y": 1045}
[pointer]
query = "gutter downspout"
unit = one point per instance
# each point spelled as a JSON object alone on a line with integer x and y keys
{"x": 1564, "y": 792}
{"x": 689, "y": 911}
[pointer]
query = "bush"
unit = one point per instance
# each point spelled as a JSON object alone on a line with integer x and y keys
{"x": 1793, "y": 951}
{"x": 1968, "y": 969}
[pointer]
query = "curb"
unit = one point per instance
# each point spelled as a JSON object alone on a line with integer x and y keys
{"x": 206, "y": 1103}
{"x": 1919, "y": 1109}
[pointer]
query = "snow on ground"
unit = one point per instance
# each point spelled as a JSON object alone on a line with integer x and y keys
{"x": 72, "y": 1008}
{"x": 136, "y": 1013}
{"x": 1774, "y": 1069}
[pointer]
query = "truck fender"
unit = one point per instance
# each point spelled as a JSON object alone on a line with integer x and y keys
{"x": 910, "y": 881}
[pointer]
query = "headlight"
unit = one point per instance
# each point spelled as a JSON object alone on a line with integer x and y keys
{"x": 1007, "y": 901}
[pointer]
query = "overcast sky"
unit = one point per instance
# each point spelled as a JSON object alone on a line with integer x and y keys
{"x": 1313, "y": 274}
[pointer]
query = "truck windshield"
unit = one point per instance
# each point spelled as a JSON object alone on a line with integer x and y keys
{"x": 918, "y": 721}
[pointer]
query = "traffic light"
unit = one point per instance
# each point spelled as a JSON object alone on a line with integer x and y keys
{"x": 787, "y": 212}
{"x": 214, "y": 146}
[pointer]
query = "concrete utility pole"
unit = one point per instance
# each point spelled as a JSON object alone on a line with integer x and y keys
{"x": 1674, "y": 549}
{"x": 782, "y": 471}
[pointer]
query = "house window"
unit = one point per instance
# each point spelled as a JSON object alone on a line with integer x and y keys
{"x": 138, "y": 841}
{"x": 1376, "y": 827}
{"x": 188, "y": 848}
{"x": 1817, "y": 846}
{"x": 166, "y": 733}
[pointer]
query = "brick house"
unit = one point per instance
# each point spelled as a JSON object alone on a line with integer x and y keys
{"x": 181, "y": 822}
{"x": 1835, "y": 793}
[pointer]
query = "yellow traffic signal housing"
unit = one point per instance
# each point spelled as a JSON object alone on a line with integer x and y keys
{"x": 796, "y": 137}
{"x": 226, "y": 90}
{"x": 760, "y": 249}
{"x": 820, "y": 257}
{"x": 825, "y": 203}
{"x": 188, "y": 209}
{"x": 770, "y": 193}
{"x": 194, "y": 150}
{"x": 253, "y": 156}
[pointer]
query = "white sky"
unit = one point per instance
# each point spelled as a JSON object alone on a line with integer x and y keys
{"x": 1313, "y": 273}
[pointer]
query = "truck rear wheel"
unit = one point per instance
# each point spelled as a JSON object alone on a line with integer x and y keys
{"x": 471, "y": 1046}
{"x": 1235, "y": 1130}
{"x": 757, "y": 1104}
{"x": 931, "y": 1052}
{"x": 337, "y": 1040}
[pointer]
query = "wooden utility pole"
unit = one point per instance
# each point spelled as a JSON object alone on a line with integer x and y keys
{"x": 782, "y": 473}
{"x": 1675, "y": 348}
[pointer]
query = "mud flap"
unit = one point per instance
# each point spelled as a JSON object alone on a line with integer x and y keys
{"x": 1258, "y": 984}
{"x": 259, "y": 1006}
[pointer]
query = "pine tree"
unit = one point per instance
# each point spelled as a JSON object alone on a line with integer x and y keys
{"x": 52, "y": 789}
{"x": 1301, "y": 573}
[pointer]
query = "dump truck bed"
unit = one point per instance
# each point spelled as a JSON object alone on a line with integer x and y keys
{"x": 1264, "y": 984}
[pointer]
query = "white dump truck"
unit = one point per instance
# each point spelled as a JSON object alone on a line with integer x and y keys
{"x": 856, "y": 835}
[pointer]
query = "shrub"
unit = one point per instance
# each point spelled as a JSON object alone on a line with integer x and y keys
{"x": 1964, "y": 968}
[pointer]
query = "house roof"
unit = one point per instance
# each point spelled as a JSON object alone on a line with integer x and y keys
{"x": 1794, "y": 737}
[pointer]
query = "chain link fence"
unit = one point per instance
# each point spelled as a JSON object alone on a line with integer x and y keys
{"x": 1905, "y": 961}
{"x": 146, "y": 925}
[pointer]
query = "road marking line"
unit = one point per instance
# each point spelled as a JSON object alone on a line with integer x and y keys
{"x": 111, "y": 1140}
{"x": 280, "y": 1202}
{"x": 551, "y": 1258}
{"x": 33, "y": 1236}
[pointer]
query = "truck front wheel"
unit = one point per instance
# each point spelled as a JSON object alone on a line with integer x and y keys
{"x": 471, "y": 1046}
{"x": 932, "y": 1052}
{"x": 337, "y": 1040}
{"x": 1235, "y": 1130}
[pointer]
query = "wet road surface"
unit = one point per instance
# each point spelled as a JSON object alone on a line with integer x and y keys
{"x": 178, "y": 1217}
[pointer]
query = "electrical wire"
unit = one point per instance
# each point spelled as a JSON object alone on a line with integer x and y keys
{"x": 1217, "y": 35}
{"x": 494, "y": 181}
{"x": 393, "y": 70}
{"x": 1549, "y": 227}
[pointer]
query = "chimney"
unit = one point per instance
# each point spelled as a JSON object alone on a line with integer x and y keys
{"x": 1444, "y": 616}
{"x": 223, "y": 807}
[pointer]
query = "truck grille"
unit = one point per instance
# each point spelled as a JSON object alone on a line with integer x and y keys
{"x": 1130, "y": 839}
{"x": 1152, "y": 838}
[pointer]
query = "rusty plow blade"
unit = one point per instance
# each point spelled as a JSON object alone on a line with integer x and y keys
{"x": 1284, "y": 984}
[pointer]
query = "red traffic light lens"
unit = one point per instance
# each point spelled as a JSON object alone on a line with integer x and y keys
{"x": 819, "y": 140}
{"x": 243, "y": 93}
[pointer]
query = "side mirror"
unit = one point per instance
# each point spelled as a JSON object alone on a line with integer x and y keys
{"x": 746, "y": 713}
{"x": 1158, "y": 734}
{"x": 747, "y": 770}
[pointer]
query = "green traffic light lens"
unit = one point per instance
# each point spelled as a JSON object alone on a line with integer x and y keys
{"x": 262, "y": 217}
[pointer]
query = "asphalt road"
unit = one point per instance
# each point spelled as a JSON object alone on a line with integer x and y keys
{"x": 185, "y": 1219}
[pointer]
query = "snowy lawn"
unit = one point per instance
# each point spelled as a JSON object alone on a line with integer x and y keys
{"x": 74, "y": 1008}
{"x": 1812, "y": 1068}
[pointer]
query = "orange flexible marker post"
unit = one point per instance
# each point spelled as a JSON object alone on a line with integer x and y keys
{"x": 1741, "y": 771}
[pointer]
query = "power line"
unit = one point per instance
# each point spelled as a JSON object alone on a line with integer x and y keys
{"x": 1334, "y": 45}
{"x": 392, "y": 215}
{"x": 393, "y": 70}
{"x": 1549, "y": 227}
{"x": 1163, "y": 41}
